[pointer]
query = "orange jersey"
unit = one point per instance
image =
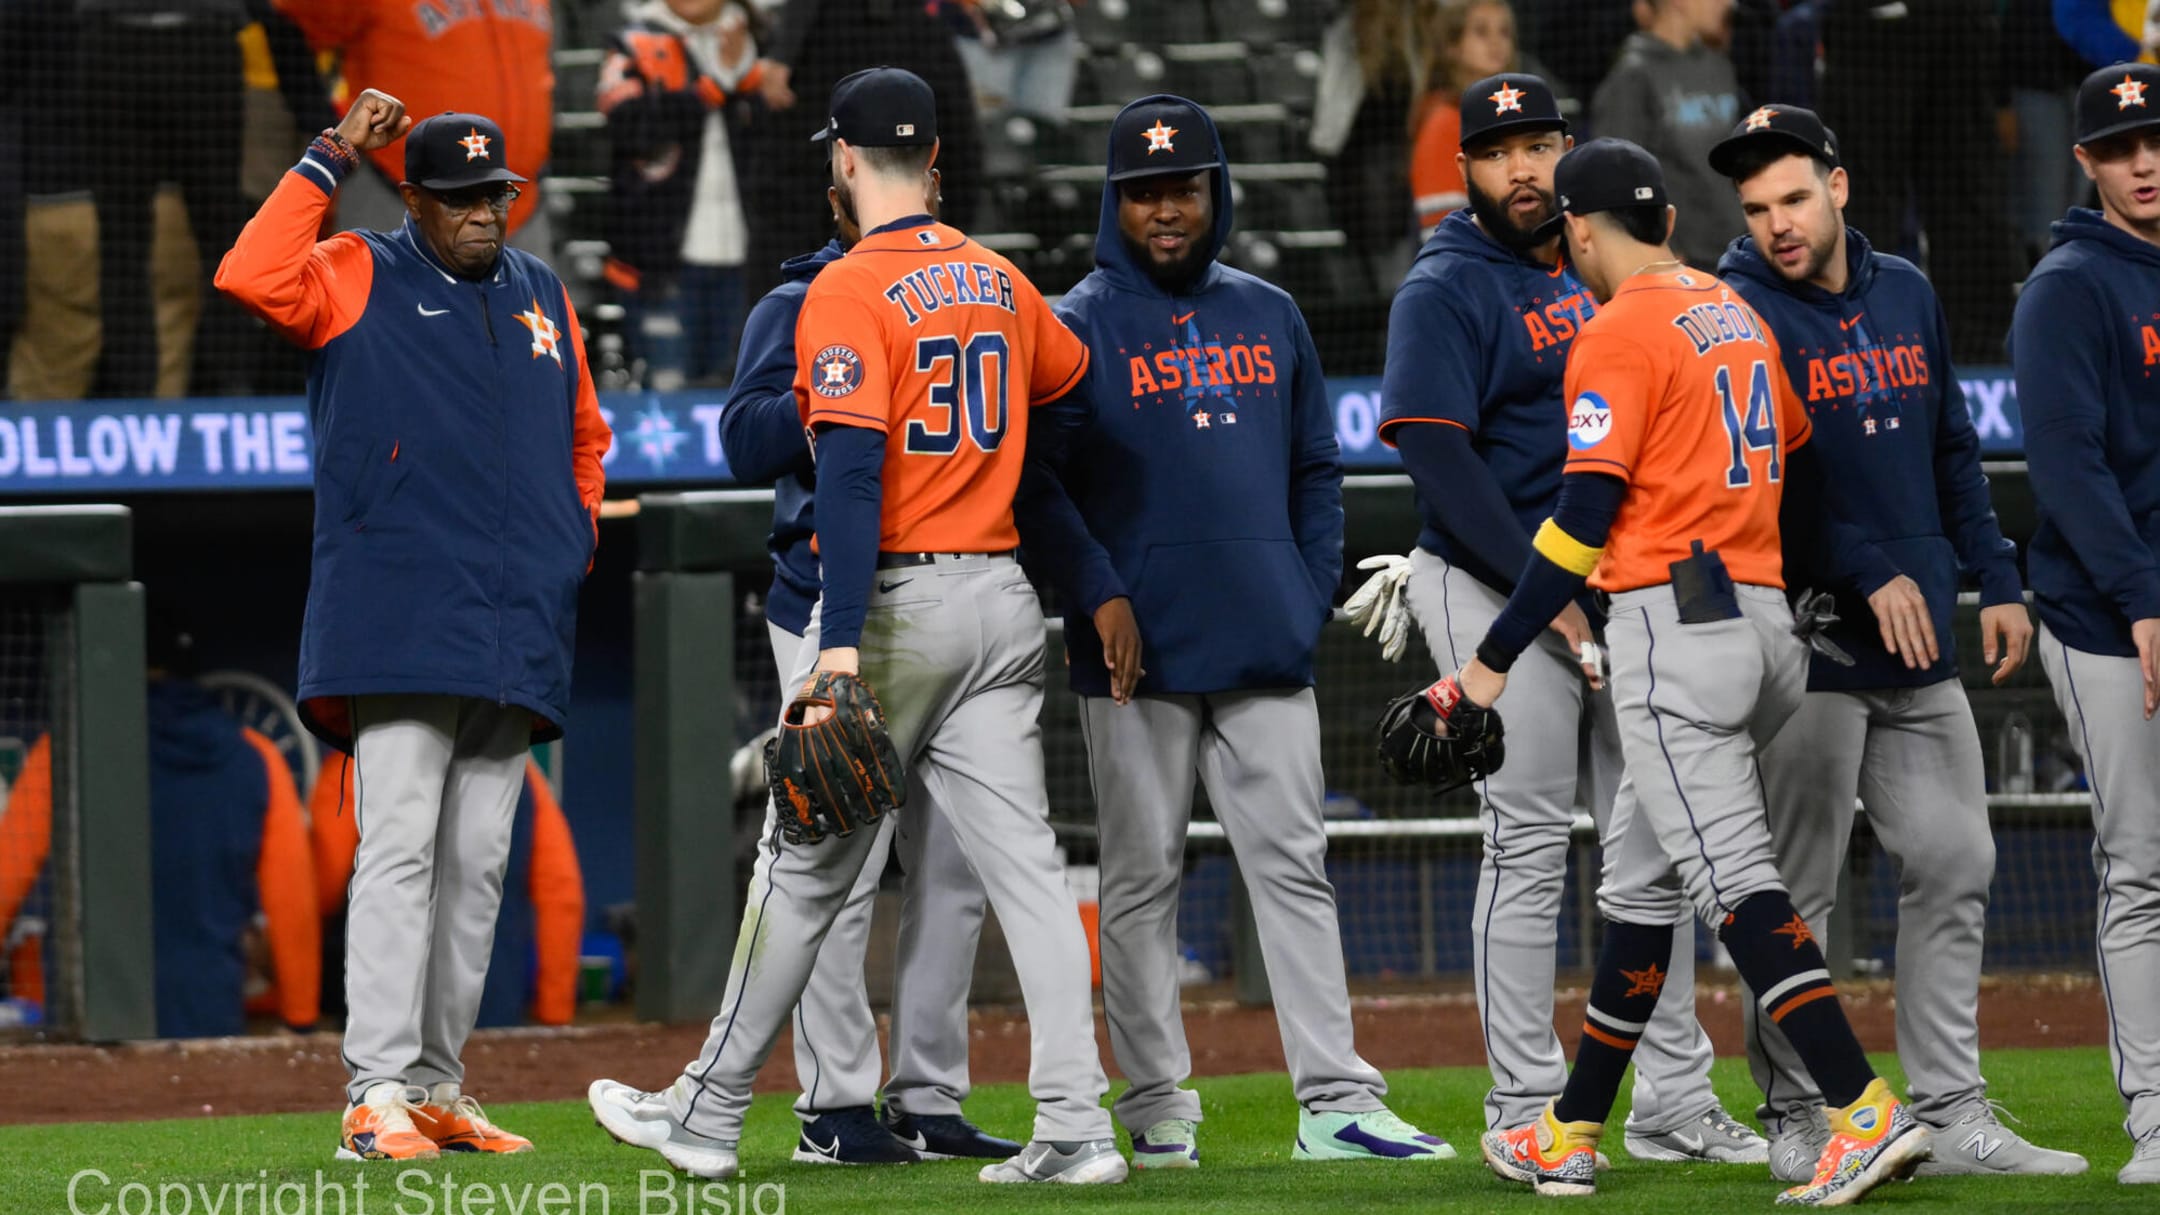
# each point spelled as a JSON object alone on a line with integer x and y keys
{"x": 942, "y": 345}
{"x": 1678, "y": 390}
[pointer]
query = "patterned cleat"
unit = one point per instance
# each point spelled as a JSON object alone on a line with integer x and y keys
{"x": 381, "y": 1126}
{"x": 455, "y": 1123}
{"x": 852, "y": 1135}
{"x": 1077, "y": 1162}
{"x": 1371, "y": 1135}
{"x": 1797, "y": 1141}
{"x": 1976, "y": 1142}
{"x": 2144, "y": 1166}
{"x": 641, "y": 1119}
{"x": 1557, "y": 1159}
{"x": 1173, "y": 1143}
{"x": 1715, "y": 1138}
{"x": 1874, "y": 1140}
{"x": 946, "y": 1137}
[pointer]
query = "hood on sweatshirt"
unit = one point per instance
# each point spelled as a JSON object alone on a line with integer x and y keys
{"x": 1110, "y": 251}
{"x": 2084, "y": 223}
{"x": 803, "y": 267}
{"x": 1745, "y": 258}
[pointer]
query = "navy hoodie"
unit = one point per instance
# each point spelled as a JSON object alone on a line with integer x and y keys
{"x": 1478, "y": 337}
{"x": 761, "y": 433}
{"x": 1896, "y": 443}
{"x": 1199, "y": 474}
{"x": 208, "y": 795}
{"x": 2084, "y": 345}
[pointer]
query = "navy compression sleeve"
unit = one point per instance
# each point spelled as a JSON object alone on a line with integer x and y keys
{"x": 850, "y": 495}
{"x": 1566, "y": 550}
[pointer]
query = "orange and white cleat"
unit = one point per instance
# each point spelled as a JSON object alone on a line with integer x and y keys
{"x": 454, "y": 1122}
{"x": 381, "y": 1126}
{"x": 1873, "y": 1140}
{"x": 1557, "y": 1159}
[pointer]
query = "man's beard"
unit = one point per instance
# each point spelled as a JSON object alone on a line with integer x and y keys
{"x": 1492, "y": 215}
{"x": 844, "y": 197}
{"x": 1175, "y": 276}
{"x": 1818, "y": 257}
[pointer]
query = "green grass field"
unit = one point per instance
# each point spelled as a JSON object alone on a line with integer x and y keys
{"x": 2064, "y": 1097}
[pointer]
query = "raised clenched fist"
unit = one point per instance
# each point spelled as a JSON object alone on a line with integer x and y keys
{"x": 376, "y": 120}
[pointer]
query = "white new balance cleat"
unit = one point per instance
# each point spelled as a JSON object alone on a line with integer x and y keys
{"x": 1976, "y": 1141}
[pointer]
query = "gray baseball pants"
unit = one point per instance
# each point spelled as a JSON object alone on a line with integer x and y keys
{"x": 435, "y": 786}
{"x": 836, "y": 1046}
{"x": 1563, "y": 742}
{"x": 954, "y": 651}
{"x": 1913, "y": 756}
{"x": 1258, "y": 753}
{"x": 2103, "y": 698}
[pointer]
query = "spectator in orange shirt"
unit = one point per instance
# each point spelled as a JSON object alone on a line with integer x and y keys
{"x": 1471, "y": 39}
{"x": 493, "y": 59}
{"x": 543, "y": 903}
{"x": 226, "y": 841}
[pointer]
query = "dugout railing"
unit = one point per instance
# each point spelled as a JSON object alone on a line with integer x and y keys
{"x": 72, "y": 704}
{"x": 1404, "y": 864}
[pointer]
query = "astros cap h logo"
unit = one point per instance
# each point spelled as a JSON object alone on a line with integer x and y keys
{"x": 475, "y": 145}
{"x": 1760, "y": 119}
{"x": 1158, "y": 137}
{"x": 2129, "y": 93}
{"x": 1508, "y": 99}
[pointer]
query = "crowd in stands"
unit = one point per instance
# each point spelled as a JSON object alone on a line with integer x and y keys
{"x": 135, "y": 135}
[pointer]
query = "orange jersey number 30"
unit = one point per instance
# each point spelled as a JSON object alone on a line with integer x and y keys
{"x": 943, "y": 346}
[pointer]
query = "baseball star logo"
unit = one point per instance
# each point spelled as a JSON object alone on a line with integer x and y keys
{"x": 1797, "y": 929}
{"x": 545, "y": 335}
{"x": 475, "y": 145}
{"x": 1760, "y": 119}
{"x": 1509, "y": 98}
{"x": 839, "y": 371}
{"x": 656, "y": 436}
{"x": 1158, "y": 137}
{"x": 1645, "y": 982}
{"x": 2129, "y": 93}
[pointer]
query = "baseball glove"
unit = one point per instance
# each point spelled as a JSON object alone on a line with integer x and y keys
{"x": 1437, "y": 738}
{"x": 832, "y": 776}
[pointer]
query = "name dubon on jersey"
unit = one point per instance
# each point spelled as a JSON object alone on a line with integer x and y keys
{"x": 1676, "y": 388}
{"x": 944, "y": 347}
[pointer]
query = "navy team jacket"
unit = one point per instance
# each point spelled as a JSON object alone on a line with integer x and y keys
{"x": 762, "y": 435}
{"x": 2085, "y": 346}
{"x": 458, "y": 448}
{"x": 1199, "y": 474}
{"x": 1897, "y": 448}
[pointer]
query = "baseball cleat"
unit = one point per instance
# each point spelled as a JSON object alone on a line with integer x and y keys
{"x": 1367, "y": 1135}
{"x": 1874, "y": 1140}
{"x": 641, "y": 1119}
{"x": 1977, "y": 1142}
{"x": 851, "y": 1135}
{"x": 1173, "y": 1143}
{"x": 946, "y": 1137}
{"x": 454, "y": 1122}
{"x": 1797, "y": 1140}
{"x": 1557, "y": 1159}
{"x": 381, "y": 1126}
{"x": 2144, "y": 1166}
{"x": 1715, "y": 1138}
{"x": 1066, "y": 1162}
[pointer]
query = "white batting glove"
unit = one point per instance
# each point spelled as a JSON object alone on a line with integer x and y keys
{"x": 1380, "y": 607}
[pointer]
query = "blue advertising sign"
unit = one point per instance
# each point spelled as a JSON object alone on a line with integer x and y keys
{"x": 51, "y": 448}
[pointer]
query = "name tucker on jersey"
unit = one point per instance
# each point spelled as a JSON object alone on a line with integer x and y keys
{"x": 945, "y": 284}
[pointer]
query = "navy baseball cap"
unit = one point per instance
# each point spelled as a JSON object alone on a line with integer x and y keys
{"x": 882, "y": 107}
{"x": 1604, "y": 175}
{"x": 2117, "y": 99}
{"x": 1157, "y": 136}
{"x": 1511, "y": 101}
{"x": 1799, "y": 130}
{"x": 449, "y": 151}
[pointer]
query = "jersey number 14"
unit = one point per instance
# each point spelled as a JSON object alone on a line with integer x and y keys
{"x": 967, "y": 393}
{"x": 1751, "y": 429}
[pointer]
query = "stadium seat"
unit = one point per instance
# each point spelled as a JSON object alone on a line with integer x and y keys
{"x": 1255, "y": 134}
{"x": 1309, "y": 265}
{"x": 1288, "y": 74}
{"x": 1011, "y": 148}
{"x": 1131, "y": 72}
{"x": 1211, "y": 73}
{"x": 1269, "y": 21}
